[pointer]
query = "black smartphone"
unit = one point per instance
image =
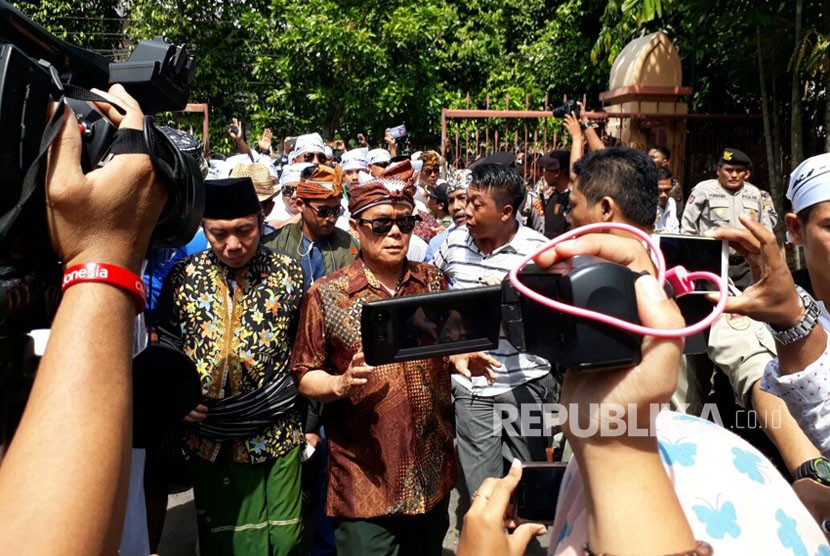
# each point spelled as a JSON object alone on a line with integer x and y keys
{"x": 537, "y": 493}
{"x": 431, "y": 325}
{"x": 696, "y": 253}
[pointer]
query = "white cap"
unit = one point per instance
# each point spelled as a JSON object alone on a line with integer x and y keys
{"x": 328, "y": 151}
{"x": 309, "y": 143}
{"x": 810, "y": 183}
{"x": 291, "y": 173}
{"x": 378, "y": 155}
{"x": 355, "y": 159}
{"x": 417, "y": 164}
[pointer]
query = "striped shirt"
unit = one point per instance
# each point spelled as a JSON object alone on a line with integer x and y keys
{"x": 468, "y": 267}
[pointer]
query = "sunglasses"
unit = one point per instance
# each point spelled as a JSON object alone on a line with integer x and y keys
{"x": 380, "y": 164}
{"x": 311, "y": 157}
{"x": 288, "y": 190}
{"x": 382, "y": 226}
{"x": 429, "y": 171}
{"x": 325, "y": 212}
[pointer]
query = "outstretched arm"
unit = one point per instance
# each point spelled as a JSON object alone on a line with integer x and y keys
{"x": 64, "y": 479}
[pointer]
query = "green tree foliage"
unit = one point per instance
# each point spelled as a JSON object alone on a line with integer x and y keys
{"x": 345, "y": 67}
{"x": 93, "y": 24}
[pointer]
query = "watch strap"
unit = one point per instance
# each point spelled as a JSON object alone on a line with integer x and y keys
{"x": 807, "y": 470}
{"x": 803, "y": 328}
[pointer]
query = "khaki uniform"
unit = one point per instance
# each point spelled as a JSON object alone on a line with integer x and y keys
{"x": 741, "y": 348}
{"x": 711, "y": 205}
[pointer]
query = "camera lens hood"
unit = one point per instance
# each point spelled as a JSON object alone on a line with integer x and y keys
{"x": 185, "y": 205}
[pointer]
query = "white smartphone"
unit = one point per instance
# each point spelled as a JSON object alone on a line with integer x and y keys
{"x": 696, "y": 253}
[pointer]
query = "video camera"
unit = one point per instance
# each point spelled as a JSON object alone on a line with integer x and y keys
{"x": 37, "y": 68}
{"x": 461, "y": 321}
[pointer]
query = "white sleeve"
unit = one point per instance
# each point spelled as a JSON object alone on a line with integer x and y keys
{"x": 807, "y": 394}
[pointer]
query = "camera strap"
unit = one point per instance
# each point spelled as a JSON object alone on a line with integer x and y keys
{"x": 129, "y": 141}
{"x": 35, "y": 174}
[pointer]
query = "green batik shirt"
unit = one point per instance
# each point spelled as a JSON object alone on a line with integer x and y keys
{"x": 238, "y": 326}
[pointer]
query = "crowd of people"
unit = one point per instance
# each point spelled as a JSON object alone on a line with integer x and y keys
{"x": 295, "y": 445}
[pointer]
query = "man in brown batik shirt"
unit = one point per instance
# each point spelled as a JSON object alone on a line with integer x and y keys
{"x": 390, "y": 428}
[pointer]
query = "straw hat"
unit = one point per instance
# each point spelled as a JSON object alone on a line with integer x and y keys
{"x": 261, "y": 177}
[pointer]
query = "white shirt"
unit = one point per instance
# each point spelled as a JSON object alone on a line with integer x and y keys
{"x": 667, "y": 221}
{"x": 280, "y": 211}
{"x": 467, "y": 267}
{"x": 417, "y": 249}
{"x": 807, "y": 392}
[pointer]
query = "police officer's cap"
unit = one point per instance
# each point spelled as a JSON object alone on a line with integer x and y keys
{"x": 734, "y": 157}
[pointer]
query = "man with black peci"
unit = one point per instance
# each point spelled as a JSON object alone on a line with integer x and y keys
{"x": 232, "y": 309}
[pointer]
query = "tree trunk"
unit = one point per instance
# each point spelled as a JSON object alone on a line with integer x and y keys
{"x": 769, "y": 139}
{"x": 796, "y": 143}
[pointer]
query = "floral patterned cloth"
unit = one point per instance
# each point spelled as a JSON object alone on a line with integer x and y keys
{"x": 237, "y": 325}
{"x": 733, "y": 497}
{"x": 391, "y": 443}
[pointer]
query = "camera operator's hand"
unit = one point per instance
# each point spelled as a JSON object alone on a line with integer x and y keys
{"x": 615, "y": 462}
{"x": 772, "y": 297}
{"x": 651, "y": 382}
{"x": 483, "y": 531}
{"x": 616, "y": 249}
{"x": 108, "y": 214}
{"x": 475, "y": 364}
{"x": 356, "y": 375}
{"x": 80, "y": 406}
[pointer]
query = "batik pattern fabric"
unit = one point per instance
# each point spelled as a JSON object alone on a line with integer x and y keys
{"x": 237, "y": 325}
{"x": 391, "y": 443}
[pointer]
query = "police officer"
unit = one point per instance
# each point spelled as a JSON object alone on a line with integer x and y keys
{"x": 715, "y": 203}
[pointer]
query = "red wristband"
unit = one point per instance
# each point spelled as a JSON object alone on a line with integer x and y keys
{"x": 110, "y": 274}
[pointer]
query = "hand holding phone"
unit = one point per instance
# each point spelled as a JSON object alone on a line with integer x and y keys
{"x": 537, "y": 493}
{"x": 483, "y": 533}
{"x": 694, "y": 254}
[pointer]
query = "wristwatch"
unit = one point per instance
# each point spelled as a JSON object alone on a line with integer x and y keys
{"x": 803, "y": 328}
{"x": 817, "y": 469}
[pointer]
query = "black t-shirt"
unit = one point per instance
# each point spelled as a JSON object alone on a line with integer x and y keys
{"x": 555, "y": 207}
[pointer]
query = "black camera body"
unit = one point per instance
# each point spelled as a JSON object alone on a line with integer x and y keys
{"x": 37, "y": 68}
{"x": 570, "y": 107}
{"x": 575, "y": 343}
{"x": 459, "y": 321}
